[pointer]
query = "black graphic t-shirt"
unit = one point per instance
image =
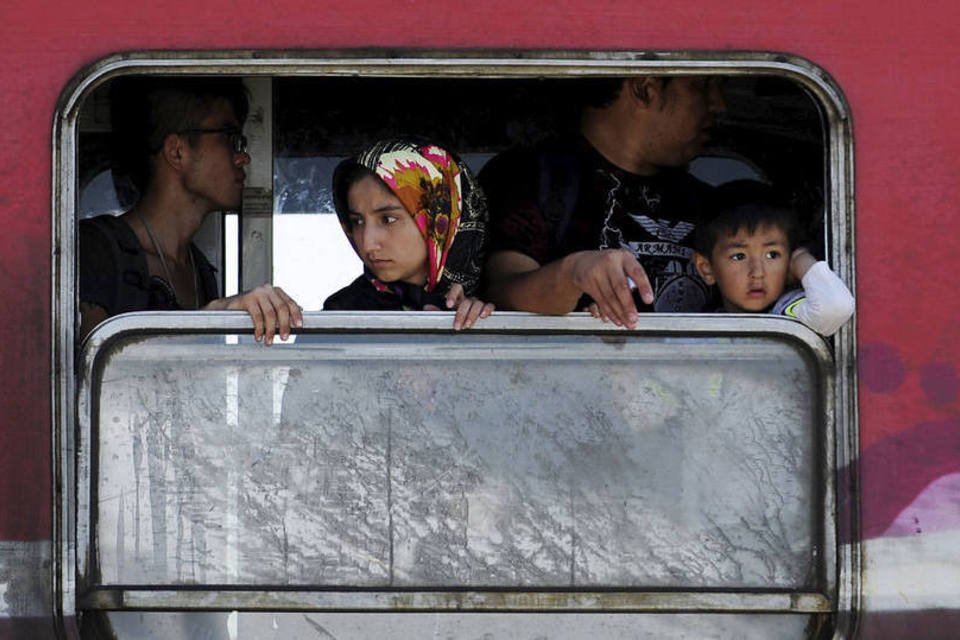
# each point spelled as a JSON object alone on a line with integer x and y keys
{"x": 563, "y": 196}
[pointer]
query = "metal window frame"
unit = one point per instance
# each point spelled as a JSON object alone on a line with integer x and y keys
{"x": 461, "y": 64}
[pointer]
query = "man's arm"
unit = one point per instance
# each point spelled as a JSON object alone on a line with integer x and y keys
{"x": 270, "y": 308}
{"x": 518, "y": 282}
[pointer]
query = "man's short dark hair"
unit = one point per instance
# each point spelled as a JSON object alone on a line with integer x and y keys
{"x": 745, "y": 204}
{"x": 598, "y": 93}
{"x": 144, "y": 111}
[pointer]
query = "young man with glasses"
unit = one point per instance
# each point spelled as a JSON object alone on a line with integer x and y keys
{"x": 180, "y": 142}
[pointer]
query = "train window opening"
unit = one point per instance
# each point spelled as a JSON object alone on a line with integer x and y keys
{"x": 300, "y": 128}
{"x": 364, "y": 476}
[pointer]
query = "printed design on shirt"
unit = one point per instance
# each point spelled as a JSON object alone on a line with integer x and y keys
{"x": 791, "y": 309}
{"x": 659, "y": 249}
{"x": 663, "y": 229}
{"x": 611, "y": 236}
{"x": 680, "y": 293}
{"x": 786, "y": 304}
{"x": 633, "y": 222}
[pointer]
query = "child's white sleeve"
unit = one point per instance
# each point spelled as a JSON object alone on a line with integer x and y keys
{"x": 826, "y": 304}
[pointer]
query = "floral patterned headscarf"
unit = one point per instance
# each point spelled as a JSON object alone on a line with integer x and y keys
{"x": 440, "y": 194}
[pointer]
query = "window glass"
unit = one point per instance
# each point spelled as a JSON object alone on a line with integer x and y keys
{"x": 473, "y": 460}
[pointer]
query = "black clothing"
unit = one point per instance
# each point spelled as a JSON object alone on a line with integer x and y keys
{"x": 361, "y": 295}
{"x": 114, "y": 276}
{"x": 563, "y": 196}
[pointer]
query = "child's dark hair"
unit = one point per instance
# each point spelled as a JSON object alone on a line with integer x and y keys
{"x": 745, "y": 204}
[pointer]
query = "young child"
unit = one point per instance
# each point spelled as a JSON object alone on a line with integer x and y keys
{"x": 749, "y": 251}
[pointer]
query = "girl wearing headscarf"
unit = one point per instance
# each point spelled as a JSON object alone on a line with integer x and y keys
{"x": 416, "y": 217}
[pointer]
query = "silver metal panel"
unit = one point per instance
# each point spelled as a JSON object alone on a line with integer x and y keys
{"x": 459, "y": 626}
{"x": 25, "y": 571}
{"x": 225, "y": 599}
{"x": 400, "y": 455}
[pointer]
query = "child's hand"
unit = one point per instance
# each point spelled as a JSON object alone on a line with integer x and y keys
{"x": 800, "y": 262}
{"x": 469, "y": 310}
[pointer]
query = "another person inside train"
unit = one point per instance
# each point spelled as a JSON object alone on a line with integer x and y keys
{"x": 180, "y": 141}
{"x": 750, "y": 252}
{"x": 414, "y": 214}
{"x": 586, "y": 218}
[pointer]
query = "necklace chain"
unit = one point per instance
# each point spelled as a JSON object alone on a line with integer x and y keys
{"x": 166, "y": 269}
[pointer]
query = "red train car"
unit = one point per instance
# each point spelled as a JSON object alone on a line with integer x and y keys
{"x": 702, "y": 476}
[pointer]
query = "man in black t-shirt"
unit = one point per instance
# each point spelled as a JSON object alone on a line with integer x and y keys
{"x": 590, "y": 217}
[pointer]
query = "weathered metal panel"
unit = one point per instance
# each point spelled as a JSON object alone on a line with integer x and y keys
{"x": 25, "y": 571}
{"x": 456, "y": 626}
{"x": 517, "y": 457}
{"x": 457, "y": 461}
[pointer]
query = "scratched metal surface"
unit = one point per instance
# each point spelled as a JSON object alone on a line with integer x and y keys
{"x": 475, "y": 460}
{"x": 24, "y": 579}
{"x": 460, "y": 626}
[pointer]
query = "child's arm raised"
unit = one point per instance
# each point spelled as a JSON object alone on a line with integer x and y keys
{"x": 825, "y": 304}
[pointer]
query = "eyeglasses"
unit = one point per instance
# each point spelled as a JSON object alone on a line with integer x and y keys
{"x": 238, "y": 141}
